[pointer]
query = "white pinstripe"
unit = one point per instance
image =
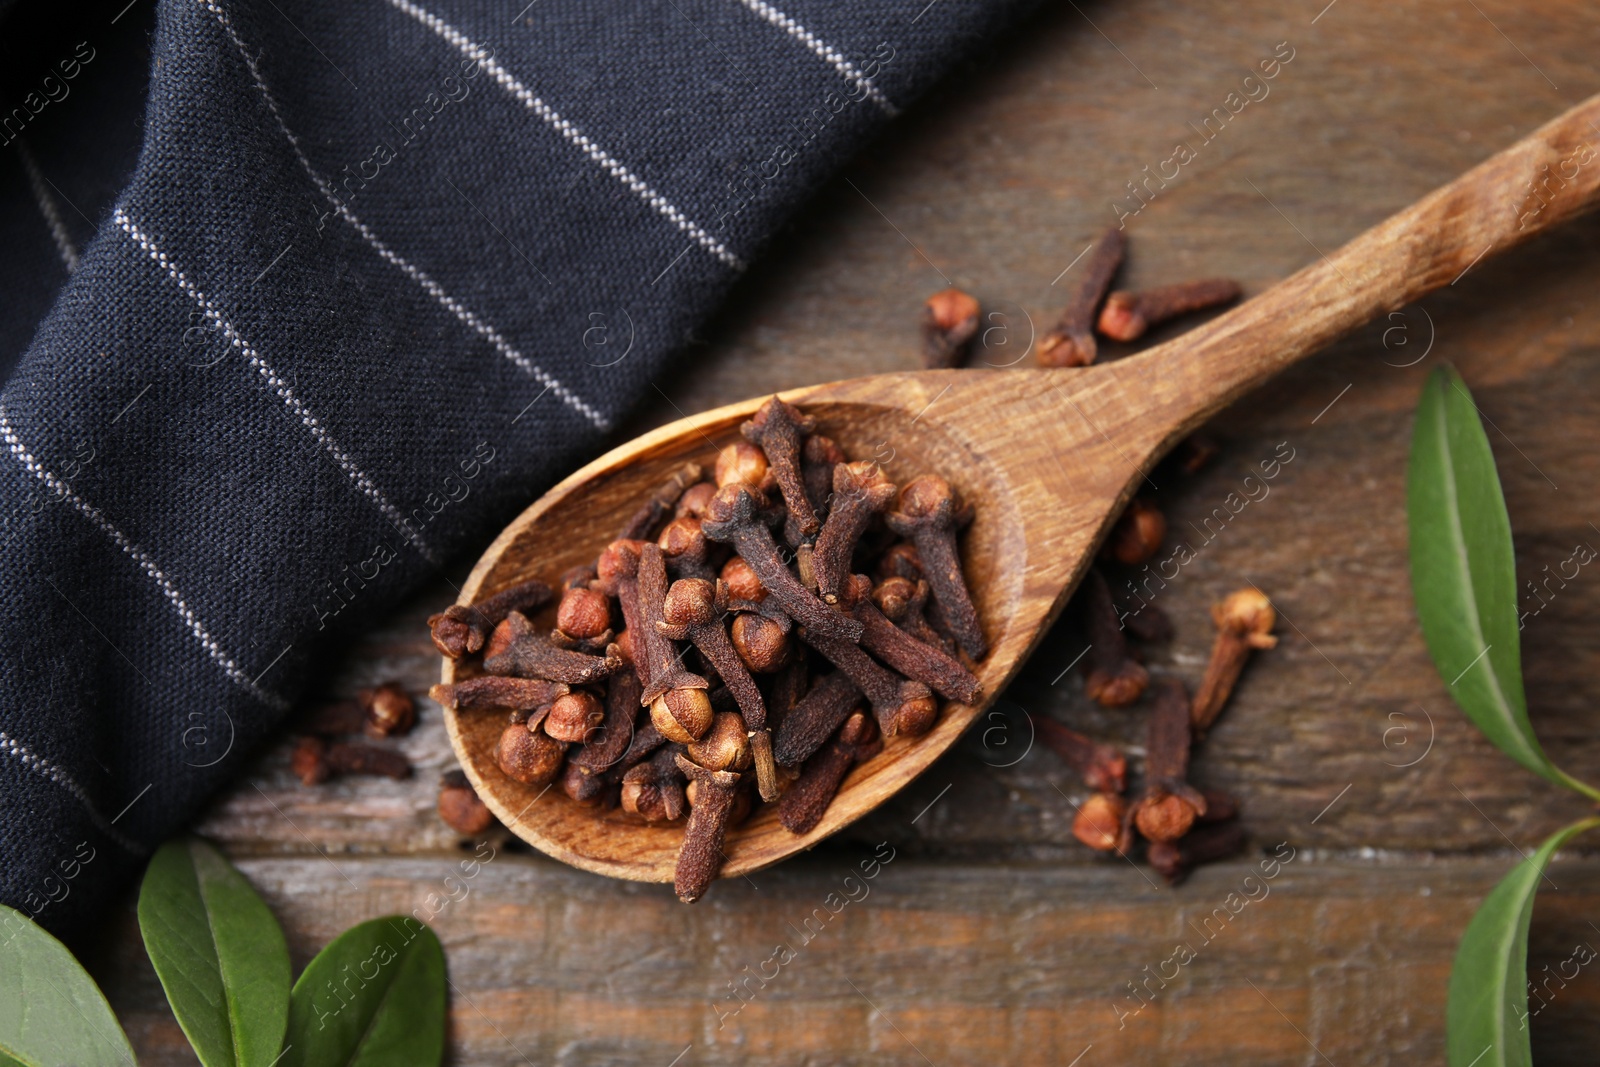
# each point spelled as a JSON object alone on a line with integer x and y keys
{"x": 47, "y": 208}
{"x": 196, "y": 627}
{"x": 823, "y": 49}
{"x": 284, "y": 390}
{"x": 571, "y": 132}
{"x": 416, "y": 274}
{"x": 39, "y": 765}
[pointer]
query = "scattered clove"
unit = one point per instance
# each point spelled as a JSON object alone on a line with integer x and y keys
{"x": 1127, "y": 315}
{"x": 460, "y": 806}
{"x": 1174, "y": 860}
{"x": 1244, "y": 622}
{"x": 1112, "y": 677}
{"x": 1071, "y": 343}
{"x": 1138, "y": 534}
{"x": 1100, "y": 821}
{"x": 1101, "y": 766}
{"x": 1170, "y": 804}
{"x": 358, "y": 757}
{"x": 949, "y": 323}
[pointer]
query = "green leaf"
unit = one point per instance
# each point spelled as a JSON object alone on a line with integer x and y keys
{"x": 1486, "y": 1017}
{"x": 1463, "y": 574}
{"x": 51, "y": 1012}
{"x": 373, "y": 998}
{"x": 219, "y": 953}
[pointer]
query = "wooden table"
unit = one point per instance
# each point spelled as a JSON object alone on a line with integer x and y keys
{"x": 992, "y": 937}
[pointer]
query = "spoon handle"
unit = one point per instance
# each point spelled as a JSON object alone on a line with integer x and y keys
{"x": 1541, "y": 181}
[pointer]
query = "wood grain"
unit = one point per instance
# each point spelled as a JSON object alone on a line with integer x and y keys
{"x": 1005, "y": 937}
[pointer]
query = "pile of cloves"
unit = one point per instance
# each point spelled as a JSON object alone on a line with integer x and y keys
{"x": 323, "y": 749}
{"x": 745, "y": 639}
{"x": 1183, "y": 826}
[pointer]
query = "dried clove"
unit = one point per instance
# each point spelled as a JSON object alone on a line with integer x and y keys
{"x": 530, "y": 654}
{"x": 654, "y": 789}
{"x": 742, "y": 582}
{"x": 582, "y": 617}
{"x": 1244, "y": 622}
{"x": 1127, "y": 315}
{"x": 814, "y": 718}
{"x": 860, "y": 491}
{"x": 900, "y": 651}
{"x": 1170, "y": 804}
{"x": 682, "y": 714}
{"x": 802, "y": 807}
{"x": 901, "y": 705}
{"x": 734, "y": 518}
{"x": 529, "y": 756}
{"x": 776, "y": 429}
{"x": 1112, "y": 677}
{"x": 460, "y": 806}
{"x": 762, "y": 643}
{"x": 587, "y": 790}
{"x": 1138, "y": 533}
{"x": 700, "y": 858}
{"x": 818, "y": 456}
{"x": 693, "y": 612}
{"x": 685, "y": 548}
{"x": 666, "y": 669}
{"x": 389, "y": 710}
{"x": 1099, "y": 822}
{"x": 743, "y": 462}
{"x": 1102, "y": 767}
{"x": 904, "y": 602}
{"x": 949, "y": 322}
{"x": 357, "y": 757}
{"x": 1174, "y": 860}
{"x": 929, "y": 513}
{"x": 495, "y": 691}
{"x": 460, "y": 630}
{"x": 1071, "y": 343}
{"x": 339, "y": 719}
{"x": 309, "y": 760}
{"x": 610, "y": 741}
{"x": 574, "y": 717}
{"x": 646, "y": 741}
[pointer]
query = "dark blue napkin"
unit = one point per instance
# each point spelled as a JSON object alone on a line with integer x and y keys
{"x": 303, "y": 299}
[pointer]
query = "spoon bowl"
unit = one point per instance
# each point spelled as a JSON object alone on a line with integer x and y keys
{"x": 1048, "y": 459}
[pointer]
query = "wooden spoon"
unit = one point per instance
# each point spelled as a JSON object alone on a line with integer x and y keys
{"x": 1047, "y": 457}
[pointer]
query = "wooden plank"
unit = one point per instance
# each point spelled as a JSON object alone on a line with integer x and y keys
{"x": 952, "y": 962}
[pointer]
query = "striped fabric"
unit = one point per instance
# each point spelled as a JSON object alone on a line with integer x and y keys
{"x": 303, "y": 299}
